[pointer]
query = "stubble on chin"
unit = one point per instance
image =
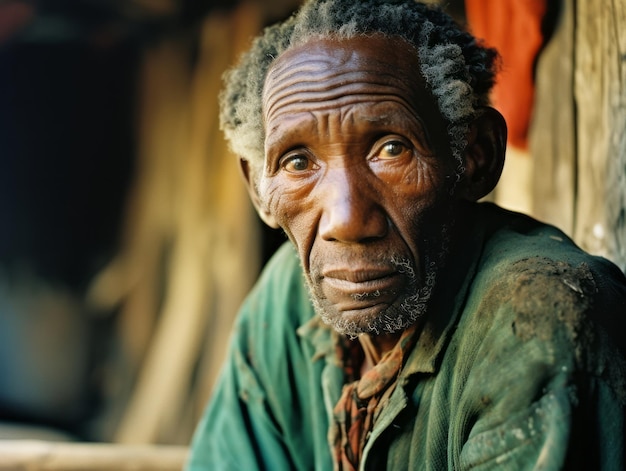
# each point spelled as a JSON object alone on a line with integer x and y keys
{"x": 409, "y": 308}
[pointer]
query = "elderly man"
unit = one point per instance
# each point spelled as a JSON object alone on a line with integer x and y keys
{"x": 405, "y": 325}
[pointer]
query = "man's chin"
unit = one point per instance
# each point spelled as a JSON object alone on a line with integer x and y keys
{"x": 374, "y": 320}
{"x": 389, "y": 309}
{"x": 352, "y": 322}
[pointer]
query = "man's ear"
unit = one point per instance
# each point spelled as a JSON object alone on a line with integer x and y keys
{"x": 484, "y": 154}
{"x": 248, "y": 174}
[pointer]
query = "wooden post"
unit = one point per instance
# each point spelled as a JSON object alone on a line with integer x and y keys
{"x": 600, "y": 94}
{"x": 552, "y": 136}
{"x": 209, "y": 234}
{"x": 578, "y": 137}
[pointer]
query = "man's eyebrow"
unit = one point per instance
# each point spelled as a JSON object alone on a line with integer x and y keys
{"x": 282, "y": 140}
{"x": 377, "y": 118}
{"x": 418, "y": 128}
{"x": 387, "y": 119}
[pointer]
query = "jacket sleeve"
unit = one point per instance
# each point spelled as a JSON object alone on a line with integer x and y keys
{"x": 537, "y": 414}
{"x": 546, "y": 387}
{"x": 237, "y": 431}
{"x": 262, "y": 409}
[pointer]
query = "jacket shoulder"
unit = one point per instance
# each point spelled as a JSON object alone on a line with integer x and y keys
{"x": 534, "y": 285}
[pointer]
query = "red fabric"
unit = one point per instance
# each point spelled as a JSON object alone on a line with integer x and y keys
{"x": 513, "y": 27}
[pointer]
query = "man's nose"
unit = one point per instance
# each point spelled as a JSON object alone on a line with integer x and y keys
{"x": 352, "y": 211}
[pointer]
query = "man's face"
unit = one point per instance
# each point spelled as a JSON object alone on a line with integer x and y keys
{"x": 358, "y": 173}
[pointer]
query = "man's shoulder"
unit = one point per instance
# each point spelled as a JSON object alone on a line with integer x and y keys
{"x": 533, "y": 284}
{"x": 520, "y": 249}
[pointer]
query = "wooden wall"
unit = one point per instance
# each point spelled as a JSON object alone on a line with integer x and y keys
{"x": 578, "y": 137}
{"x": 191, "y": 248}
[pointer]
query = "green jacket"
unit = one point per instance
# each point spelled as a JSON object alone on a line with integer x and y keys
{"x": 514, "y": 369}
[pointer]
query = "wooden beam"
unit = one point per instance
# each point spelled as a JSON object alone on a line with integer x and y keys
{"x": 600, "y": 93}
{"x": 18, "y": 455}
{"x": 553, "y": 132}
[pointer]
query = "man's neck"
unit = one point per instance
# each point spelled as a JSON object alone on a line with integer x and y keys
{"x": 375, "y": 347}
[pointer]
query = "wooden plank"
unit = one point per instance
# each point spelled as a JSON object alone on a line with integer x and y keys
{"x": 235, "y": 252}
{"x": 600, "y": 92}
{"x": 590, "y": 88}
{"x": 162, "y": 202}
{"x": 552, "y": 138}
{"x": 214, "y": 251}
{"x": 34, "y": 455}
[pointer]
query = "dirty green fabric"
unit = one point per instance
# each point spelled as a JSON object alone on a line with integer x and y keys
{"x": 519, "y": 366}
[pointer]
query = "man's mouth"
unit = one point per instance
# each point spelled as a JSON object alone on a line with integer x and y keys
{"x": 361, "y": 288}
{"x": 360, "y": 281}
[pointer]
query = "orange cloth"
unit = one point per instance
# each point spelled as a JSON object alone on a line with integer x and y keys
{"x": 513, "y": 27}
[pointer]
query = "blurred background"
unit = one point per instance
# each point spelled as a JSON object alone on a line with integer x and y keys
{"x": 127, "y": 241}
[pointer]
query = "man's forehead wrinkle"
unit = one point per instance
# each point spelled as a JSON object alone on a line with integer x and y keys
{"x": 287, "y": 125}
{"x": 324, "y": 86}
{"x": 299, "y": 56}
{"x": 362, "y": 83}
{"x": 338, "y": 89}
{"x": 305, "y": 73}
{"x": 394, "y": 111}
{"x": 376, "y": 118}
{"x": 297, "y": 104}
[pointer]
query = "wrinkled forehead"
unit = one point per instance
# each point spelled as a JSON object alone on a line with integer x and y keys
{"x": 326, "y": 72}
{"x": 340, "y": 67}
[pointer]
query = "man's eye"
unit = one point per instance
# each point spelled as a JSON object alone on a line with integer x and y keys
{"x": 296, "y": 164}
{"x": 392, "y": 149}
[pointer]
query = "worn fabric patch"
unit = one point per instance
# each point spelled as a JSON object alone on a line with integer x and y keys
{"x": 550, "y": 298}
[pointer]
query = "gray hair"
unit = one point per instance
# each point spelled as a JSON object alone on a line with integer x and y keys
{"x": 458, "y": 70}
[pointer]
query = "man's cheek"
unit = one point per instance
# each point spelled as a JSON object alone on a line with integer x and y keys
{"x": 272, "y": 200}
{"x": 288, "y": 204}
